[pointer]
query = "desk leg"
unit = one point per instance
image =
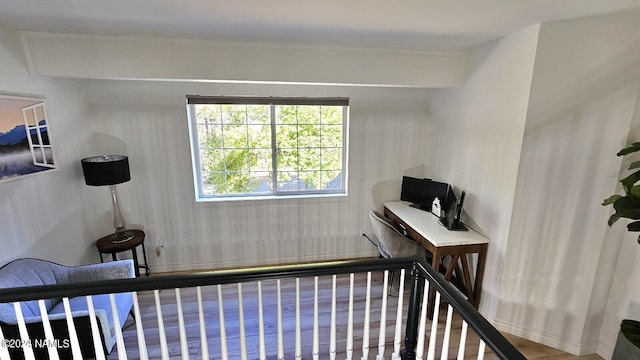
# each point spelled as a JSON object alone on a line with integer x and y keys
{"x": 435, "y": 263}
{"x": 477, "y": 288}
{"x": 135, "y": 261}
{"x": 114, "y": 256}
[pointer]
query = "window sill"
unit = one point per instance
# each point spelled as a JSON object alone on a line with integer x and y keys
{"x": 205, "y": 202}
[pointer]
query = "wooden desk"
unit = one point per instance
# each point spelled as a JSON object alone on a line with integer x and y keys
{"x": 423, "y": 227}
{"x": 105, "y": 246}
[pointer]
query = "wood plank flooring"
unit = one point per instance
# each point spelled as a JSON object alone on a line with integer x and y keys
{"x": 250, "y": 308}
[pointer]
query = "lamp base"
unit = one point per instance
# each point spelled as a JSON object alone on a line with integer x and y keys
{"x": 122, "y": 236}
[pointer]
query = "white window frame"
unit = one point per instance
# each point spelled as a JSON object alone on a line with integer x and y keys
{"x": 200, "y": 196}
{"x": 33, "y": 123}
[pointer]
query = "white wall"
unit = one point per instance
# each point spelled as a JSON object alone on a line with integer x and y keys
{"x": 622, "y": 267}
{"x": 474, "y": 139}
{"x": 558, "y": 266}
{"x": 537, "y": 165}
{"x": 147, "y": 121}
{"x": 42, "y": 215}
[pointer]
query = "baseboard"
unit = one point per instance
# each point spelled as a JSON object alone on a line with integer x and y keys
{"x": 541, "y": 337}
{"x": 234, "y": 264}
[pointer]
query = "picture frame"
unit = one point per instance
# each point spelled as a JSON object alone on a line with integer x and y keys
{"x": 25, "y": 138}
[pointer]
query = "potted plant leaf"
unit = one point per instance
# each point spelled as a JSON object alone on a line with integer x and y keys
{"x": 628, "y": 206}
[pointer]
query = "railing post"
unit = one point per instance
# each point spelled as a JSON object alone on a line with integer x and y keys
{"x": 411, "y": 332}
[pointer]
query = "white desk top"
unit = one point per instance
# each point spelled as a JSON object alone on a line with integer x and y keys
{"x": 426, "y": 224}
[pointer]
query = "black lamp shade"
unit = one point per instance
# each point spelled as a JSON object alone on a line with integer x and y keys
{"x": 106, "y": 170}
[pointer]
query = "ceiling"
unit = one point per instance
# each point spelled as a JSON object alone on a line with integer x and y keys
{"x": 436, "y": 25}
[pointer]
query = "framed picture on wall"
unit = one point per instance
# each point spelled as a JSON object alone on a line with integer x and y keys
{"x": 25, "y": 143}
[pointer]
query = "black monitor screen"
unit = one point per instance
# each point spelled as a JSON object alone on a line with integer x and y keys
{"x": 422, "y": 192}
{"x": 413, "y": 190}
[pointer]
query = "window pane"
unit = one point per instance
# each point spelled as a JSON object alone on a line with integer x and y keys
{"x": 29, "y": 117}
{"x": 237, "y": 182}
{"x": 286, "y": 114}
{"x": 34, "y": 137}
{"x": 309, "y": 159}
{"x": 258, "y": 114}
{"x": 261, "y": 182}
{"x": 210, "y": 136}
{"x": 331, "y": 114}
{"x": 208, "y": 114}
{"x": 261, "y": 160}
{"x": 38, "y": 155}
{"x": 48, "y": 155}
{"x": 309, "y": 136}
{"x": 287, "y": 159}
{"x": 207, "y": 184}
{"x": 212, "y": 160}
{"x": 308, "y": 114}
{"x": 234, "y": 114}
{"x": 39, "y": 110}
{"x": 311, "y": 180}
{"x": 331, "y": 159}
{"x": 259, "y": 136}
{"x": 331, "y": 136}
{"x": 235, "y": 136}
{"x": 236, "y": 159}
{"x": 287, "y": 136}
{"x": 331, "y": 179}
{"x": 45, "y": 136}
{"x": 289, "y": 181}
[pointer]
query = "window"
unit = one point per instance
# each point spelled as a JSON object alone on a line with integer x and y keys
{"x": 250, "y": 147}
{"x": 35, "y": 122}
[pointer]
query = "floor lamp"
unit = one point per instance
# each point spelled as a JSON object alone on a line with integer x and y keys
{"x": 110, "y": 170}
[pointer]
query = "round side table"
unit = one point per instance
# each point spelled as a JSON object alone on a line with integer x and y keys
{"x": 106, "y": 246}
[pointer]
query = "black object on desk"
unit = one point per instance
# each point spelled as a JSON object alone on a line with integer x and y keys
{"x": 451, "y": 219}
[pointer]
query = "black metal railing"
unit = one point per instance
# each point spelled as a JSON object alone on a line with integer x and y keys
{"x": 420, "y": 271}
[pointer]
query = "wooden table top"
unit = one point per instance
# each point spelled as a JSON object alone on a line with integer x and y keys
{"x": 427, "y": 225}
{"x": 105, "y": 245}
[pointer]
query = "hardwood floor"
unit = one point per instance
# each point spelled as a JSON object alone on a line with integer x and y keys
{"x": 233, "y": 330}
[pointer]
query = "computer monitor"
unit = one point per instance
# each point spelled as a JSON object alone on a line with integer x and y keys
{"x": 422, "y": 192}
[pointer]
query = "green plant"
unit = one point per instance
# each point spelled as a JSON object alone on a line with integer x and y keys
{"x": 628, "y": 205}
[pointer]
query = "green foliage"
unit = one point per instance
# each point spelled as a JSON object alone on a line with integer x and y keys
{"x": 235, "y": 143}
{"x": 627, "y": 205}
